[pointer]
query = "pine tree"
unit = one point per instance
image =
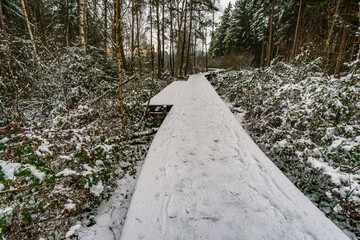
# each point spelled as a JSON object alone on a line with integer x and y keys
{"x": 217, "y": 45}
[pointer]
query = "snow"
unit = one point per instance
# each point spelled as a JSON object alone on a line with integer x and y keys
{"x": 70, "y": 206}
{"x": 34, "y": 171}
{"x": 66, "y": 172}
{"x": 9, "y": 168}
{"x": 338, "y": 177}
{"x": 97, "y": 189}
{"x": 282, "y": 143}
{"x": 73, "y": 230}
{"x": 204, "y": 178}
{"x": 170, "y": 94}
{"x": 89, "y": 170}
{"x": 43, "y": 149}
{"x": 4, "y": 140}
{"x": 111, "y": 214}
{"x": 337, "y": 143}
{"x": 3, "y": 211}
{"x": 65, "y": 157}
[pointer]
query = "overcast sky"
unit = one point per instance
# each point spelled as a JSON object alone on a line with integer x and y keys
{"x": 224, "y": 3}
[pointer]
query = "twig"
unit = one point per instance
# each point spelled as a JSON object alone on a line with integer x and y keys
{"x": 25, "y": 189}
{"x": 5, "y": 200}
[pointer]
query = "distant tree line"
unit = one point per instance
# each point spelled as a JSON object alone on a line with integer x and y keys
{"x": 327, "y": 30}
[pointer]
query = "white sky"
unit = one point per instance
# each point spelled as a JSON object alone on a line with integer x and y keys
{"x": 224, "y": 3}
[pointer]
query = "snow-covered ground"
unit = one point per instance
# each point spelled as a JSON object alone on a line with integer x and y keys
{"x": 111, "y": 214}
{"x": 204, "y": 178}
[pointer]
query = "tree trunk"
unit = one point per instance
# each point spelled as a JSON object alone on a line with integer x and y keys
{"x": 67, "y": 24}
{"x": 184, "y": 43}
{"x": 121, "y": 41}
{"x": 82, "y": 24}
{"x": 4, "y": 32}
{"x": 105, "y": 26}
{"x": 119, "y": 65}
{"x": 213, "y": 18}
{"x": 178, "y": 45}
{"x": 262, "y": 53}
{"x": 138, "y": 33}
{"x": 171, "y": 41}
{"x": 151, "y": 41}
{"x": 206, "y": 51}
{"x": 189, "y": 38}
{"x": 35, "y": 52}
{"x": 340, "y": 56}
{"x": 38, "y": 11}
{"x": 268, "y": 57}
{"x": 163, "y": 34}
{"x": 132, "y": 34}
{"x": 195, "y": 67}
{"x": 158, "y": 36}
{"x": 86, "y": 26}
{"x": 327, "y": 46}
{"x": 296, "y": 30}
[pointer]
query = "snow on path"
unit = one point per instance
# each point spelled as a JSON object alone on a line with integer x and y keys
{"x": 204, "y": 178}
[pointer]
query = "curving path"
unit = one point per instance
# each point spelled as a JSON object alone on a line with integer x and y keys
{"x": 204, "y": 178}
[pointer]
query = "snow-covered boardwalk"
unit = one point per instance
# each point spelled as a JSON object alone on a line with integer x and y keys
{"x": 204, "y": 178}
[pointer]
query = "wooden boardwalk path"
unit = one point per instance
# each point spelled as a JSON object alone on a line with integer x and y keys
{"x": 204, "y": 178}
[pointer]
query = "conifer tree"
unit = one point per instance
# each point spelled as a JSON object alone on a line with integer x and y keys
{"x": 217, "y": 45}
